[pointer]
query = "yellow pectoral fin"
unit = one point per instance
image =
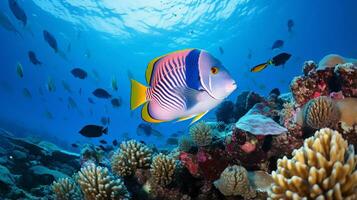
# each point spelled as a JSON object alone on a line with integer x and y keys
{"x": 146, "y": 116}
{"x": 138, "y": 94}
{"x": 185, "y": 118}
{"x": 198, "y": 117}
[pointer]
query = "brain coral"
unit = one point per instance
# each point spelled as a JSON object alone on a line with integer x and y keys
{"x": 130, "y": 156}
{"x": 324, "y": 168}
{"x": 97, "y": 183}
{"x": 162, "y": 169}
{"x": 321, "y": 112}
{"x": 66, "y": 189}
{"x": 201, "y": 134}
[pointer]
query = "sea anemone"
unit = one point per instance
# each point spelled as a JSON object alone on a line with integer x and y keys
{"x": 324, "y": 168}
{"x": 130, "y": 156}
{"x": 201, "y": 133}
{"x": 66, "y": 189}
{"x": 162, "y": 169}
{"x": 97, "y": 183}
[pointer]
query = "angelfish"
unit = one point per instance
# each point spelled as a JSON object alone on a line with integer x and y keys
{"x": 182, "y": 85}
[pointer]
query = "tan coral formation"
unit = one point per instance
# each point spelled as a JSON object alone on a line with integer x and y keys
{"x": 234, "y": 181}
{"x": 201, "y": 133}
{"x": 97, "y": 183}
{"x": 324, "y": 168}
{"x": 130, "y": 156}
{"x": 163, "y": 169}
{"x": 66, "y": 189}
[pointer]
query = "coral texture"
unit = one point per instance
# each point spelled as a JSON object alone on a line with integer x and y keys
{"x": 234, "y": 181}
{"x": 66, "y": 189}
{"x": 201, "y": 134}
{"x": 97, "y": 183}
{"x": 185, "y": 144}
{"x": 130, "y": 156}
{"x": 347, "y": 74}
{"x": 324, "y": 168}
{"x": 162, "y": 169}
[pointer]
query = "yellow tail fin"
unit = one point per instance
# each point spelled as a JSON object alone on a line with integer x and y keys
{"x": 138, "y": 94}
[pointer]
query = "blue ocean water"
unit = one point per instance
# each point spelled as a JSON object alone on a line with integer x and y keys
{"x": 111, "y": 38}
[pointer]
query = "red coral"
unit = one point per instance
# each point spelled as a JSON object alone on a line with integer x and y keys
{"x": 189, "y": 161}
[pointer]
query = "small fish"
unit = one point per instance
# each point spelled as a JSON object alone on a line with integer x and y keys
{"x": 221, "y": 50}
{"x": 147, "y": 130}
{"x": 103, "y": 142}
{"x": 90, "y": 100}
{"x": 197, "y": 83}
{"x": 114, "y": 84}
{"x": 26, "y": 92}
{"x": 51, "y": 86}
{"x": 7, "y": 25}
{"x": 172, "y": 141}
{"x": 116, "y": 102}
{"x": 71, "y": 103}
{"x": 101, "y": 93}
{"x": 74, "y": 145}
{"x": 93, "y": 131}
{"x": 290, "y": 25}
{"x": 51, "y": 40}
{"x": 115, "y": 142}
{"x": 278, "y": 60}
{"x": 105, "y": 120}
{"x": 278, "y": 44}
{"x": 48, "y": 114}
{"x": 18, "y": 12}
{"x": 33, "y": 58}
{"x": 79, "y": 73}
{"x": 19, "y": 70}
{"x": 66, "y": 86}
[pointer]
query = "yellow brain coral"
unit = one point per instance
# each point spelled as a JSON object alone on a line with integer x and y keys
{"x": 321, "y": 112}
{"x": 66, "y": 189}
{"x": 97, "y": 183}
{"x": 129, "y": 157}
{"x": 201, "y": 133}
{"x": 162, "y": 169}
{"x": 324, "y": 168}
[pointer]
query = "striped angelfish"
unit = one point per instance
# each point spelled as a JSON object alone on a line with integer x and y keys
{"x": 182, "y": 85}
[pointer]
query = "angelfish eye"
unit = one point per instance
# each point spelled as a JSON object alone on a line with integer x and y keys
{"x": 214, "y": 70}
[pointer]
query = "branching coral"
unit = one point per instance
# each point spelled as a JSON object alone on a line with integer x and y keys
{"x": 321, "y": 112}
{"x": 162, "y": 169}
{"x": 130, "y": 156}
{"x": 66, "y": 189}
{"x": 324, "y": 168}
{"x": 201, "y": 133}
{"x": 97, "y": 183}
{"x": 234, "y": 181}
{"x": 185, "y": 144}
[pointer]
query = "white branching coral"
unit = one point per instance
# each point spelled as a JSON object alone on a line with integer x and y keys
{"x": 97, "y": 183}
{"x": 162, "y": 169}
{"x": 66, "y": 189}
{"x": 324, "y": 168}
{"x": 130, "y": 156}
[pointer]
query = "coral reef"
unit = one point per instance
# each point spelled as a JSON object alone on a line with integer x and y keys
{"x": 324, "y": 168}
{"x": 162, "y": 169}
{"x": 346, "y": 76}
{"x": 66, "y": 189}
{"x": 201, "y": 134}
{"x": 185, "y": 144}
{"x": 97, "y": 183}
{"x": 131, "y": 155}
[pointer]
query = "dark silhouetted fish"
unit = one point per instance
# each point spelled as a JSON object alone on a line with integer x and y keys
{"x": 66, "y": 86}
{"x": 74, "y": 145}
{"x": 105, "y": 120}
{"x": 115, "y": 142}
{"x": 172, "y": 141}
{"x": 51, "y": 86}
{"x": 221, "y": 50}
{"x": 7, "y": 25}
{"x": 290, "y": 24}
{"x": 278, "y": 60}
{"x": 90, "y": 100}
{"x": 71, "y": 103}
{"x": 101, "y": 93}
{"x": 26, "y": 92}
{"x": 277, "y": 44}
{"x": 116, "y": 102}
{"x": 93, "y": 131}
{"x": 103, "y": 142}
{"x": 114, "y": 84}
{"x": 79, "y": 73}
{"x": 33, "y": 58}
{"x": 147, "y": 130}
{"x": 19, "y": 70}
{"x": 51, "y": 40}
{"x": 18, "y": 12}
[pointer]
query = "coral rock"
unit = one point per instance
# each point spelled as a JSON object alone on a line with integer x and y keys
{"x": 324, "y": 168}
{"x": 66, "y": 189}
{"x": 162, "y": 169}
{"x": 347, "y": 74}
{"x": 201, "y": 133}
{"x": 97, "y": 183}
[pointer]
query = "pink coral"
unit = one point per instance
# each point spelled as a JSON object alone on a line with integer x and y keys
{"x": 248, "y": 147}
{"x": 189, "y": 162}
